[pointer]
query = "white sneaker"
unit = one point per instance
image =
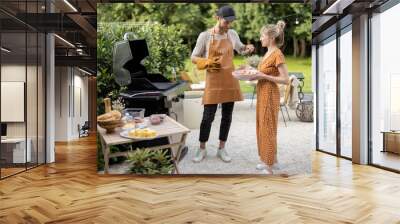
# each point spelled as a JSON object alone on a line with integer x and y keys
{"x": 223, "y": 155}
{"x": 261, "y": 166}
{"x": 277, "y": 166}
{"x": 200, "y": 155}
{"x": 265, "y": 171}
{"x": 264, "y": 168}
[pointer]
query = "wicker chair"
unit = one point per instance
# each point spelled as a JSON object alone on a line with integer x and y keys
{"x": 285, "y": 99}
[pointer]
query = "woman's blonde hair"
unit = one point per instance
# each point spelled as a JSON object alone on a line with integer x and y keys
{"x": 275, "y": 31}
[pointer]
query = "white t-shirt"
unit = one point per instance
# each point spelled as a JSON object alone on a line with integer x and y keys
{"x": 204, "y": 39}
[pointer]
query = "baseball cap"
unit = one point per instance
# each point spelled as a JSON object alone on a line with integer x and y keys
{"x": 227, "y": 13}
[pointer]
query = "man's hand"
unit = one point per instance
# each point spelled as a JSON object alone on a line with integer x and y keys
{"x": 215, "y": 63}
{"x": 249, "y": 49}
{"x": 208, "y": 63}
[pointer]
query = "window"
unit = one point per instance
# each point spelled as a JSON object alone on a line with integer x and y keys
{"x": 385, "y": 88}
{"x": 346, "y": 92}
{"x": 327, "y": 95}
{"x": 22, "y": 77}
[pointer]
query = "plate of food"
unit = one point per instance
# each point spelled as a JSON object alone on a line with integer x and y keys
{"x": 140, "y": 134}
{"x": 245, "y": 73}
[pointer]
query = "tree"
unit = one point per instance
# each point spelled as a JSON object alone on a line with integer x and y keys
{"x": 303, "y": 30}
{"x": 192, "y": 19}
{"x": 251, "y": 18}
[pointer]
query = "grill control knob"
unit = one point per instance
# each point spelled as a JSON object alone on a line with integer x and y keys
{"x": 175, "y": 99}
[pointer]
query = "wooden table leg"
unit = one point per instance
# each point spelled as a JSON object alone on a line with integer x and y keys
{"x": 178, "y": 153}
{"x": 181, "y": 146}
{"x": 173, "y": 157}
{"x": 106, "y": 159}
{"x": 176, "y": 170}
{"x": 106, "y": 152}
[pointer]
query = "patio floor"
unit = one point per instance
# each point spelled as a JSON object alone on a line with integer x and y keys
{"x": 295, "y": 143}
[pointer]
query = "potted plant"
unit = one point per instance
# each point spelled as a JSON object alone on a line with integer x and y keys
{"x": 118, "y": 104}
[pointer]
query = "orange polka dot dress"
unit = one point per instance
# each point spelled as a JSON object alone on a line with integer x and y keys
{"x": 268, "y": 100}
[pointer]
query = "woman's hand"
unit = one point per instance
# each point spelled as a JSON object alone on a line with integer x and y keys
{"x": 257, "y": 76}
{"x": 282, "y": 78}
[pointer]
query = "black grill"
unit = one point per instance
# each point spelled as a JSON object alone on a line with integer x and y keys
{"x": 153, "y": 92}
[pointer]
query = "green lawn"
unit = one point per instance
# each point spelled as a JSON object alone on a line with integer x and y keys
{"x": 294, "y": 65}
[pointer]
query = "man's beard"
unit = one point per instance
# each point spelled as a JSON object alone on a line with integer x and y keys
{"x": 223, "y": 29}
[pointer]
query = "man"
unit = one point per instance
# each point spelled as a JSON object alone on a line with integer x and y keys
{"x": 214, "y": 53}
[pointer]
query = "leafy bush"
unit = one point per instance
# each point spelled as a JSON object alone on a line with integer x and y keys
{"x": 253, "y": 60}
{"x": 146, "y": 161}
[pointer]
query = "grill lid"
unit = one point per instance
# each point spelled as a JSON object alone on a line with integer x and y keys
{"x": 127, "y": 57}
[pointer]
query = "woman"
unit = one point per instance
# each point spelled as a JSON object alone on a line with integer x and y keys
{"x": 272, "y": 71}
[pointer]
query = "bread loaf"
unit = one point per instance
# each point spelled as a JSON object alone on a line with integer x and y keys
{"x": 104, "y": 117}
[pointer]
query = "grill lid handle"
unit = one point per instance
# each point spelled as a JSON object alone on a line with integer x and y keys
{"x": 126, "y": 35}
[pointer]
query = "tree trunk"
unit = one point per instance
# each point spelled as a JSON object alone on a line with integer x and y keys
{"x": 303, "y": 49}
{"x": 260, "y": 48}
{"x": 295, "y": 47}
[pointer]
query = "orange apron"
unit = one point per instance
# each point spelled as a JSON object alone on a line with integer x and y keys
{"x": 221, "y": 86}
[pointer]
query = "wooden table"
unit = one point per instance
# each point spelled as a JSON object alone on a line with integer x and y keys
{"x": 391, "y": 141}
{"x": 168, "y": 128}
{"x": 14, "y": 152}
